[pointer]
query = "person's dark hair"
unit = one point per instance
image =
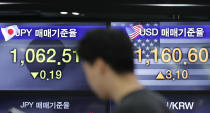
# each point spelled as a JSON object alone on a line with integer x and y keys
{"x": 112, "y": 45}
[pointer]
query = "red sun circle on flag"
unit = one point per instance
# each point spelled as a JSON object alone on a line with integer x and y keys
{"x": 10, "y": 31}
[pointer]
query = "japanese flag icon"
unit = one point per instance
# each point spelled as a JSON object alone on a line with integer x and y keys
{"x": 9, "y": 32}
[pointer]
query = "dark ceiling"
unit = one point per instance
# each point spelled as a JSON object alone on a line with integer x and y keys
{"x": 154, "y": 10}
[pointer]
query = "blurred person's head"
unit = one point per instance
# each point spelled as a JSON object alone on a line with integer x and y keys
{"x": 107, "y": 57}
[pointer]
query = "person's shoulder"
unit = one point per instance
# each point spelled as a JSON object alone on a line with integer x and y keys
{"x": 143, "y": 101}
{"x": 144, "y": 96}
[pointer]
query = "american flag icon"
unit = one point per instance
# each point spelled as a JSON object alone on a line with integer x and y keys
{"x": 134, "y": 31}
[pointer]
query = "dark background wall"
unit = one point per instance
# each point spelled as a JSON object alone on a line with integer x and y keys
{"x": 113, "y": 10}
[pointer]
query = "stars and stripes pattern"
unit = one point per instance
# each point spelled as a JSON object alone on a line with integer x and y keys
{"x": 134, "y": 31}
{"x": 147, "y": 46}
{"x": 199, "y": 77}
{"x": 146, "y": 43}
{"x": 199, "y": 73}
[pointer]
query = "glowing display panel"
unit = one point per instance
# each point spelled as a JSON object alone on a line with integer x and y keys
{"x": 170, "y": 55}
{"x": 42, "y": 56}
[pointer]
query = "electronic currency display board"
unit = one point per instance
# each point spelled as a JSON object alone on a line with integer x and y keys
{"x": 50, "y": 102}
{"x": 42, "y": 56}
{"x": 188, "y": 102}
{"x": 170, "y": 55}
{"x": 183, "y": 102}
